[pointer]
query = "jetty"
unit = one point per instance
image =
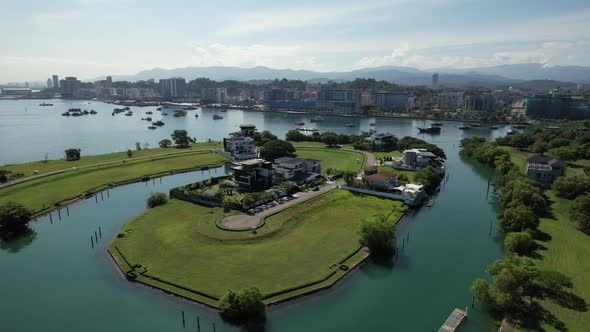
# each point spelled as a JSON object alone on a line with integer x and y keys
{"x": 452, "y": 323}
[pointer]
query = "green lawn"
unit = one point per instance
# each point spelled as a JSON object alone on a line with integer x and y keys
{"x": 334, "y": 158}
{"x": 568, "y": 252}
{"x": 294, "y": 247}
{"x": 379, "y": 155}
{"x": 41, "y": 193}
{"x": 317, "y": 144}
{"x": 53, "y": 165}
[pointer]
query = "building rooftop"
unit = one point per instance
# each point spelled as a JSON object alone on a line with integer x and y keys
{"x": 545, "y": 160}
{"x": 381, "y": 176}
{"x": 290, "y": 160}
{"x": 251, "y": 162}
{"x": 247, "y": 125}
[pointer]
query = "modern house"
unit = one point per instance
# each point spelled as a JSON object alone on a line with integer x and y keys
{"x": 544, "y": 169}
{"x": 240, "y": 147}
{"x": 298, "y": 170}
{"x": 380, "y": 138}
{"x": 253, "y": 174}
{"x": 381, "y": 181}
{"x": 418, "y": 158}
{"x": 247, "y": 129}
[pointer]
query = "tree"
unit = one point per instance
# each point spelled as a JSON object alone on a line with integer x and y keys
{"x": 524, "y": 191}
{"x": 580, "y": 213}
{"x": 3, "y": 176}
{"x": 571, "y": 187}
{"x": 137, "y": 146}
{"x": 378, "y": 233}
{"x": 402, "y": 179}
{"x": 330, "y": 139}
{"x": 517, "y": 219}
{"x": 72, "y": 154}
{"x": 518, "y": 243}
{"x": 165, "y": 143}
{"x": 539, "y": 147}
{"x": 181, "y": 138}
{"x": 274, "y": 149}
{"x": 129, "y": 153}
{"x": 349, "y": 177}
{"x": 243, "y": 305}
{"x": 429, "y": 177}
{"x": 14, "y": 219}
{"x": 156, "y": 199}
{"x": 295, "y": 135}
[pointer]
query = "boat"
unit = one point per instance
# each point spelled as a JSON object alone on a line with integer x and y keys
{"x": 217, "y": 117}
{"x": 118, "y": 110}
{"x": 476, "y": 125}
{"x": 65, "y": 114}
{"x": 349, "y": 125}
{"x": 190, "y": 108}
{"x": 127, "y": 108}
{"x": 465, "y": 127}
{"x": 196, "y": 115}
{"x": 300, "y": 123}
{"x": 152, "y": 127}
{"x": 224, "y": 110}
{"x": 372, "y": 124}
{"x": 519, "y": 126}
{"x": 316, "y": 119}
{"x": 85, "y": 112}
{"x": 179, "y": 113}
{"x": 158, "y": 123}
{"x": 129, "y": 113}
{"x": 430, "y": 203}
{"x": 147, "y": 119}
{"x": 93, "y": 112}
{"x": 494, "y": 127}
{"x": 158, "y": 108}
{"x": 149, "y": 112}
{"x": 164, "y": 113}
{"x": 436, "y": 124}
{"x": 510, "y": 132}
{"x": 430, "y": 130}
{"x": 45, "y": 104}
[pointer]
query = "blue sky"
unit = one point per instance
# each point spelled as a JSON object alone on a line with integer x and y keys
{"x": 89, "y": 38}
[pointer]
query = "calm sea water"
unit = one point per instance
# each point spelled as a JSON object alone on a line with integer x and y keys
{"x": 53, "y": 280}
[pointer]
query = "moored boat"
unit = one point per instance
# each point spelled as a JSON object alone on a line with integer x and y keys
{"x": 430, "y": 130}
{"x": 316, "y": 119}
{"x": 217, "y": 117}
{"x": 349, "y": 125}
{"x": 158, "y": 123}
{"x": 465, "y": 127}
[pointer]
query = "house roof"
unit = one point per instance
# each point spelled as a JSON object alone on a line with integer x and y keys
{"x": 289, "y": 160}
{"x": 251, "y": 162}
{"x": 381, "y": 176}
{"x": 545, "y": 160}
{"x": 247, "y": 125}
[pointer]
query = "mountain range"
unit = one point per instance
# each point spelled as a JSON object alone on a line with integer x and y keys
{"x": 490, "y": 77}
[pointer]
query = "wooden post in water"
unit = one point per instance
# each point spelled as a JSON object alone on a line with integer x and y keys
{"x": 408, "y": 237}
{"x": 95, "y": 237}
{"x": 96, "y": 198}
{"x": 59, "y": 214}
{"x": 50, "y": 218}
{"x": 490, "y": 233}
{"x": 472, "y": 301}
{"x": 213, "y": 326}
{"x": 183, "y": 322}
{"x": 68, "y": 210}
{"x": 404, "y": 244}
{"x": 99, "y": 232}
{"x": 92, "y": 241}
{"x": 108, "y": 194}
{"x": 101, "y": 196}
{"x": 198, "y": 325}
{"x": 160, "y": 179}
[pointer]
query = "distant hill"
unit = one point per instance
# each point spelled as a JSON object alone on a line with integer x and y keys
{"x": 485, "y": 77}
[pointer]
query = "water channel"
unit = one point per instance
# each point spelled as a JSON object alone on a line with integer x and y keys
{"x": 53, "y": 280}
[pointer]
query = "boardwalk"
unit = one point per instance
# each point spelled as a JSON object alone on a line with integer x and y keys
{"x": 452, "y": 323}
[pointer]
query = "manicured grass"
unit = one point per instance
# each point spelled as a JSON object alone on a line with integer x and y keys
{"x": 379, "y": 155}
{"x": 42, "y": 193}
{"x": 317, "y": 144}
{"x": 295, "y": 246}
{"x": 568, "y": 251}
{"x": 334, "y": 158}
{"x": 53, "y": 165}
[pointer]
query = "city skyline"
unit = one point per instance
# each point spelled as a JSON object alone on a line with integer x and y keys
{"x": 93, "y": 38}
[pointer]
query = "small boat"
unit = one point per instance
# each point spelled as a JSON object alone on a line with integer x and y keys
{"x": 164, "y": 113}
{"x": 45, "y": 104}
{"x": 179, "y": 114}
{"x": 85, "y": 112}
{"x": 149, "y": 112}
{"x": 65, "y": 114}
{"x": 158, "y": 123}
{"x": 430, "y": 130}
{"x": 93, "y": 112}
{"x": 465, "y": 127}
{"x": 494, "y": 127}
{"x": 129, "y": 113}
{"x": 118, "y": 110}
{"x": 300, "y": 123}
{"x": 349, "y": 125}
{"x": 196, "y": 115}
{"x": 510, "y": 132}
{"x": 372, "y": 124}
{"x": 519, "y": 126}
{"x": 152, "y": 127}
{"x": 158, "y": 108}
{"x": 430, "y": 203}
{"x": 190, "y": 108}
{"x": 127, "y": 108}
{"x": 476, "y": 125}
{"x": 147, "y": 119}
{"x": 316, "y": 119}
{"x": 436, "y": 124}
{"x": 217, "y": 117}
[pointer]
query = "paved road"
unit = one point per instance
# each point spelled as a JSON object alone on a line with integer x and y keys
{"x": 32, "y": 177}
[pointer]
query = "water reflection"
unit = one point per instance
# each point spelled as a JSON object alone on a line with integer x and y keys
{"x": 17, "y": 244}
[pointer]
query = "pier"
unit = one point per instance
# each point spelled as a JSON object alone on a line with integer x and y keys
{"x": 452, "y": 323}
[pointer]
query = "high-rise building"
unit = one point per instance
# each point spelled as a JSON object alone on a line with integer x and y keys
{"x": 449, "y": 100}
{"x": 557, "y": 107}
{"x": 49, "y": 83}
{"x": 221, "y": 95}
{"x": 55, "y": 82}
{"x": 70, "y": 87}
{"x": 435, "y": 79}
{"x": 392, "y": 101}
{"x": 480, "y": 102}
{"x": 339, "y": 100}
{"x": 109, "y": 82}
{"x": 173, "y": 88}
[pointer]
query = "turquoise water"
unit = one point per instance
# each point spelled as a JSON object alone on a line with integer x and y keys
{"x": 53, "y": 280}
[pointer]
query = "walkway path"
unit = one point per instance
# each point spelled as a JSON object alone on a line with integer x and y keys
{"x": 33, "y": 177}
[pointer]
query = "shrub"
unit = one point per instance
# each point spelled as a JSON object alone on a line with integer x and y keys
{"x": 518, "y": 242}
{"x": 378, "y": 233}
{"x": 571, "y": 187}
{"x": 243, "y": 305}
{"x": 517, "y": 219}
{"x": 580, "y": 212}
{"x": 14, "y": 219}
{"x": 156, "y": 199}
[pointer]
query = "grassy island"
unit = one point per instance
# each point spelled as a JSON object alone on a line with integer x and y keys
{"x": 297, "y": 250}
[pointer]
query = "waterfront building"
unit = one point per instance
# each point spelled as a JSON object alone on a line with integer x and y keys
{"x": 213, "y": 95}
{"x": 280, "y": 94}
{"x": 172, "y": 88}
{"x": 339, "y": 101}
{"x": 556, "y": 107}
{"x": 221, "y": 95}
{"x": 480, "y": 102}
{"x": 299, "y": 170}
{"x": 240, "y": 147}
{"x": 392, "y": 101}
{"x": 380, "y": 181}
{"x": 367, "y": 99}
{"x": 16, "y": 91}
{"x": 253, "y": 174}
{"x": 544, "y": 169}
{"x": 133, "y": 93}
{"x": 380, "y": 138}
{"x": 434, "y": 80}
{"x": 450, "y": 101}
{"x": 49, "y": 83}
{"x": 247, "y": 129}
{"x": 70, "y": 87}
{"x": 55, "y": 79}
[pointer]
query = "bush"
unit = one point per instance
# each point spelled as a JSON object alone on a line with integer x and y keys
{"x": 72, "y": 154}
{"x": 14, "y": 219}
{"x": 156, "y": 199}
{"x": 517, "y": 219}
{"x": 518, "y": 242}
{"x": 571, "y": 187}
{"x": 580, "y": 213}
{"x": 378, "y": 234}
{"x": 242, "y": 306}
{"x": 165, "y": 143}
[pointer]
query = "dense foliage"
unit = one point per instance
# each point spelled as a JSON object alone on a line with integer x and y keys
{"x": 429, "y": 177}
{"x": 72, "y": 154}
{"x": 156, "y": 199}
{"x": 580, "y": 213}
{"x": 181, "y": 138}
{"x": 14, "y": 219}
{"x": 378, "y": 234}
{"x": 571, "y": 187}
{"x": 409, "y": 142}
{"x": 165, "y": 143}
{"x": 519, "y": 243}
{"x": 277, "y": 149}
{"x": 243, "y": 305}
